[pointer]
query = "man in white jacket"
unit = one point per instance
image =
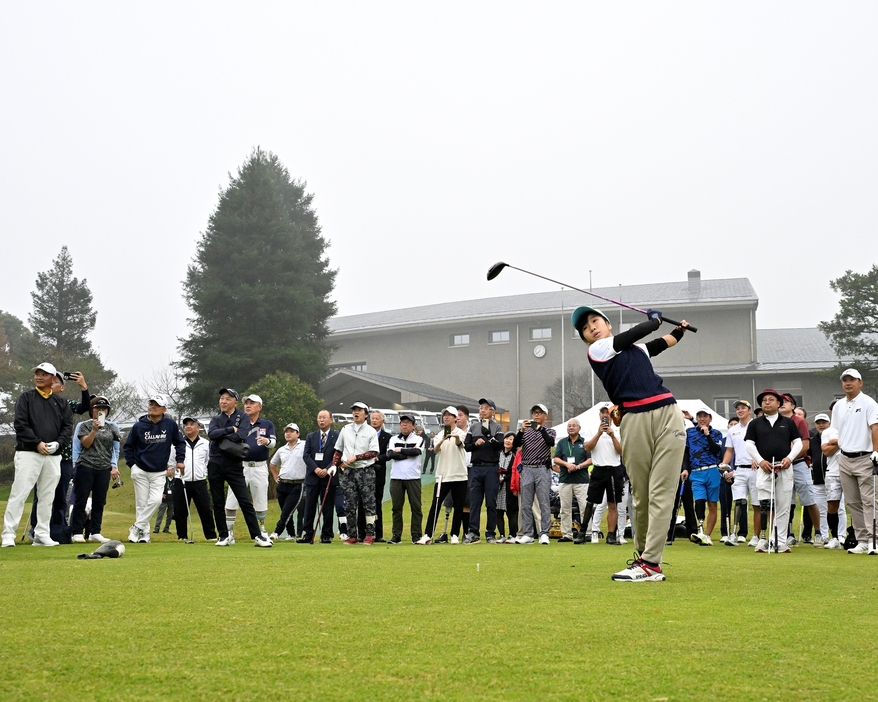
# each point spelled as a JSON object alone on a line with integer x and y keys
{"x": 190, "y": 482}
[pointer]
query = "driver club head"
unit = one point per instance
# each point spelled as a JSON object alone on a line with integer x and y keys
{"x": 494, "y": 270}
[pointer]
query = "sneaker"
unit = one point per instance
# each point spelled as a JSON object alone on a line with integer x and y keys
{"x": 455, "y": 540}
{"x": 580, "y": 539}
{"x": 325, "y": 540}
{"x": 731, "y": 541}
{"x": 144, "y": 538}
{"x": 97, "y": 538}
{"x": 762, "y": 546}
{"x": 833, "y": 544}
{"x": 501, "y": 539}
{"x": 791, "y": 541}
{"x": 511, "y": 539}
{"x": 223, "y": 542}
{"x": 155, "y": 531}
{"x": 8, "y": 541}
{"x": 231, "y": 538}
{"x": 43, "y": 542}
{"x": 706, "y": 540}
{"x": 639, "y": 572}
{"x": 350, "y": 541}
{"x": 565, "y": 540}
{"x": 754, "y": 541}
{"x": 544, "y": 540}
{"x": 369, "y": 540}
{"x": 273, "y": 536}
{"x": 695, "y": 538}
{"x": 807, "y": 540}
{"x": 594, "y": 537}
{"x": 819, "y": 541}
{"x": 443, "y": 539}
{"x": 611, "y": 539}
{"x": 701, "y": 539}
{"x": 742, "y": 539}
{"x": 471, "y": 538}
{"x": 77, "y": 539}
{"x": 424, "y": 540}
{"x": 133, "y": 534}
{"x": 490, "y": 540}
{"x": 524, "y": 539}
{"x": 860, "y": 548}
{"x": 262, "y": 541}
{"x": 342, "y": 536}
{"x": 724, "y": 540}
{"x": 621, "y": 540}
{"x": 394, "y": 540}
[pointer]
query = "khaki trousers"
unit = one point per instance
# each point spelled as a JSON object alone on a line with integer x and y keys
{"x": 652, "y": 451}
{"x": 856, "y": 483}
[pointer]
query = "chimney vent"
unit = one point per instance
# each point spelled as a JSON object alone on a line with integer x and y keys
{"x": 695, "y": 283}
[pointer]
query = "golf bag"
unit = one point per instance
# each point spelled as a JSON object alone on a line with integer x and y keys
{"x": 111, "y": 549}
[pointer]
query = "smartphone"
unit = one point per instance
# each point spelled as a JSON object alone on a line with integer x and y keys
{"x": 102, "y": 418}
{"x": 67, "y": 375}
{"x": 447, "y": 430}
{"x": 605, "y": 420}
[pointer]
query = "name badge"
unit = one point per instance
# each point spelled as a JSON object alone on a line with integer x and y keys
{"x": 318, "y": 456}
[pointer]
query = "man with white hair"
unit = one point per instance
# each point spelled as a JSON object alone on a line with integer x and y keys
{"x": 855, "y": 417}
{"x": 146, "y": 453}
{"x": 261, "y": 439}
{"x": 43, "y": 425}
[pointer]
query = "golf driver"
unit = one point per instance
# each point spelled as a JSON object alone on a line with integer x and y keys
{"x": 436, "y": 508}
{"x": 320, "y": 513}
{"x": 495, "y": 270}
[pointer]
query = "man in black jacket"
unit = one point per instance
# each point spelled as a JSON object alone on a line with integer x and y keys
{"x": 484, "y": 441}
{"x": 224, "y": 466}
{"x": 43, "y": 428}
{"x": 319, "y": 449}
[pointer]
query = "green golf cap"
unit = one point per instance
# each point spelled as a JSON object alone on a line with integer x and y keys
{"x": 580, "y": 316}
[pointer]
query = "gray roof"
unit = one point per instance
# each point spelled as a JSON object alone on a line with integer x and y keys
{"x": 411, "y": 386}
{"x": 778, "y": 351}
{"x": 729, "y": 290}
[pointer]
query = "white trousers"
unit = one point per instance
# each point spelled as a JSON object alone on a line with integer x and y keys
{"x": 567, "y": 491}
{"x": 32, "y": 468}
{"x": 783, "y": 495}
{"x": 148, "y": 489}
{"x": 256, "y": 476}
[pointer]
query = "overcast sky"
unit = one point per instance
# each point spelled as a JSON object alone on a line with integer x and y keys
{"x": 638, "y": 140}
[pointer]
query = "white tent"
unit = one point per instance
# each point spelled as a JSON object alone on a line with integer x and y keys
{"x": 591, "y": 418}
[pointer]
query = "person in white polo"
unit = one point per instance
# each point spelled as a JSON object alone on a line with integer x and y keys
{"x": 856, "y": 419}
{"x": 743, "y": 477}
{"x": 43, "y": 425}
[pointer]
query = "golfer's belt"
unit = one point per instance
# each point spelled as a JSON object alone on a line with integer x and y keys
{"x": 287, "y": 481}
{"x": 254, "y": 464}
{"x": 695, "y": 470}
{"x": 854, "y": 454}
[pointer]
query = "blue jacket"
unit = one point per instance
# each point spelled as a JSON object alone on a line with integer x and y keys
{"x": 149, "y": 445}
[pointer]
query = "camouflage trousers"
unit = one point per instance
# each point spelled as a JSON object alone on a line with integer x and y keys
{"x": 358, "y": 484}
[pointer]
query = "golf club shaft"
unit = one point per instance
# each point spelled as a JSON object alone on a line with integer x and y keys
{"x": 436, "y": 508}
{"x": 320, "y": 513}
{"x": 600, "y": 297}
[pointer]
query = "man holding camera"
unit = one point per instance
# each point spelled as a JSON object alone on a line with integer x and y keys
{"x": 43, "y": 425}
{"x": 607, "y": 478}
{"x": 536, "y": 442}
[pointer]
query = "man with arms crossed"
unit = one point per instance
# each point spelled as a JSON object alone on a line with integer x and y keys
{"x": 572, "y": 461}
{"x": 855, "y": 417}
{"x": 654, "y": 438}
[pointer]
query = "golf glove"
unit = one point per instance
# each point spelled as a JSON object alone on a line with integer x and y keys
{"x": 330, "y": 471}
{"x": 654, "y": 314}
{"x": 52, "y": 447}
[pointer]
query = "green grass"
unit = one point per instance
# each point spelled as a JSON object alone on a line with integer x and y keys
{"x": 177, "y": 621}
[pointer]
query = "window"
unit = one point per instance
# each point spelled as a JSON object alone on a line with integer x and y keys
{"x": 725, "y": 406}
{"x": 540, "y": 334}
{"x": 500, "y": 337}
{"x": 459, "y": 340}
{"x": 350, "y": 366}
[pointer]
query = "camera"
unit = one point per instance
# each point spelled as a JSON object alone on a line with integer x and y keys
{"x": 118, "y": 484}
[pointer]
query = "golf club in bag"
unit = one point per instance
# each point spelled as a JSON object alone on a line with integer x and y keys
{"x": 874, "y": 551}
{"x": 495, "y": 270}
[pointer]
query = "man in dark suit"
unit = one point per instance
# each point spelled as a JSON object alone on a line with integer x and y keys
{"x": 376, "y": 419}
{"x": 319, "y": 449}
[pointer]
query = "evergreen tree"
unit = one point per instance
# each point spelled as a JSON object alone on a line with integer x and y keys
{"x": 853, "y": 332}
{"x": 259, "y": 286}
{"x": 63, "y": 316}
{"x": 286, "y": 399}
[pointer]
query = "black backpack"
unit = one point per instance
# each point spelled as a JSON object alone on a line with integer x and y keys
{"x": 850, "y": 540}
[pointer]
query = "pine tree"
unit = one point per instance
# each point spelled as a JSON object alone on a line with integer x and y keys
{"x": 259, "y": 286}
{"x": 853, "y": 332}
{"x": 63, "y": 316}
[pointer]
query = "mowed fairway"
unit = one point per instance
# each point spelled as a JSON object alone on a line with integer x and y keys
{"x": 177, "y": 621}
